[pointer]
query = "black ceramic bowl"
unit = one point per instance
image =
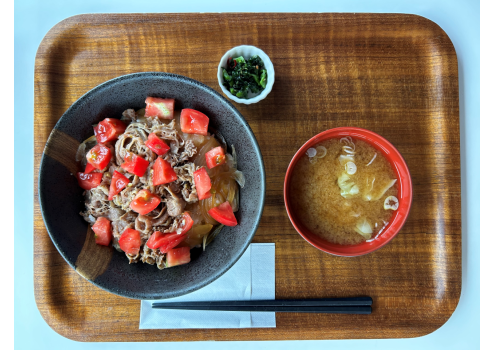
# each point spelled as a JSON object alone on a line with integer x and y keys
{"x": 61, "y": 198}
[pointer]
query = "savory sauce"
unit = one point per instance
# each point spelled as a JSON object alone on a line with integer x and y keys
{"x": 339, "y": 191}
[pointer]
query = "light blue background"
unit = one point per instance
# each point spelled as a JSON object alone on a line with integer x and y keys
{"x": 459, "y": 18}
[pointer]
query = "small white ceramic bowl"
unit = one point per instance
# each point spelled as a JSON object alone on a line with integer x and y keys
{"x": 247, "y": 51}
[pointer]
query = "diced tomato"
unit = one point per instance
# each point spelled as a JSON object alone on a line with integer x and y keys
{"x": 173, "y": 241}
{"x": 156, "y": 145}
{"x": 159, "y": 107}
{"x": 135, "y": 164}
{"x": 130, "y": 241}
{"x": 164, "y": 241}
{"x": 157, "y": 239}
{"x": 144, "y": 202}
{"x": 223, "y": 214}
{"x": 163, "y": 173}
{"x": 89, "y": 168}
{"x": 119, "y": 182}
{"x": 194, "y": 122}
{"x": 185, "y": 224}
{"x": 215, "y": 156}
{"x": 178, "y": 256}
{"x": 103, "y": 231}
{"x": 89, "y": 181}
{"x": 202, "y": 183}
{"x": 99, "y": 156}
{"x": 109, "y": 129}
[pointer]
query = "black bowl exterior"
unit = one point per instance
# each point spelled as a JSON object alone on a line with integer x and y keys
{"x": 61, "y": 198}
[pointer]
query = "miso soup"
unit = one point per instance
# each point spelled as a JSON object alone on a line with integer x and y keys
{"x": 344, "y": 190}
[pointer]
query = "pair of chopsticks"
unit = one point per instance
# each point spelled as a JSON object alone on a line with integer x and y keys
{"x": 357, "y": 305}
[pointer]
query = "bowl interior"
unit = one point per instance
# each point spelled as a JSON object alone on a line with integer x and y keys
{"x": 61, "y": 198}
{"x": 404, "y": 192}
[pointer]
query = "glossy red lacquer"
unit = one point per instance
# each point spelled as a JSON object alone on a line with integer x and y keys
{"x": 404, "y": 192}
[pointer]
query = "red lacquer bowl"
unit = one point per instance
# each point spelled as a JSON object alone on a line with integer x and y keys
{"x": 404, "y": 193}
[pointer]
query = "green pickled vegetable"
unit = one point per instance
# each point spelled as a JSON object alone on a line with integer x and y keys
{"x": 243, "y": 76}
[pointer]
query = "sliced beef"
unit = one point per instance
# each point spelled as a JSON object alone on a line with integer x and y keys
{"x": 129, "y": 115}
{"x": 144, "y": 223}
{"x": 185, "y": 178}
{"x": 153, "y": 256}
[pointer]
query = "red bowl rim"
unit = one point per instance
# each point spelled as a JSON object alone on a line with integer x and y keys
{"x": 405, "y": 191}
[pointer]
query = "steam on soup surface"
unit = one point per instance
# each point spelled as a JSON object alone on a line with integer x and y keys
{"x": 344, "y": 190}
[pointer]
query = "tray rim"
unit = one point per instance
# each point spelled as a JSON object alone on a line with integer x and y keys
{"x": 59, "y": 28}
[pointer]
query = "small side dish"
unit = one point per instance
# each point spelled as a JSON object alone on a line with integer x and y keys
{"x": 242, "y": 76}
{"x": 245, "y": 74}
{"x": 157, "y": 183}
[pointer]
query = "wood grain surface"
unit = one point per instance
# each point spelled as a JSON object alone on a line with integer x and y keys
{"x": 394, "y": 74}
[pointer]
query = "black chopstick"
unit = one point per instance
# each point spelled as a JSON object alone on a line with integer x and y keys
{"x": 358, "y": 305}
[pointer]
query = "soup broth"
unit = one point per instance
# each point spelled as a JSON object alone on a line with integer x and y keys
{"x": 340, "y": 191}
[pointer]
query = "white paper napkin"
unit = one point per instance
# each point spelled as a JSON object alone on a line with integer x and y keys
{"x": 251, "y": 278}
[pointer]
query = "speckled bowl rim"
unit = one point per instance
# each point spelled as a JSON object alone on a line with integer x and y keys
{"x": 244, "y": 123}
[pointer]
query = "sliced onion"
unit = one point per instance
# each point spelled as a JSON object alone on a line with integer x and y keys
{"x": 240, "y": 178}
{"x": 384, "y": 189}
{"x": 354, "y": 190}
{"x": 235, "y": 157}
{"x": 391, "y": 203}
{"x": 311, "y": 152}
{"x": 343, "y": 159}
{"x": 321, "y": 152}
{"x": 351, "y": 168}
{"x": 364, "y": 228}
{"x": 207, "y": 239}
{"x": 375, "y": 155}
{"x": 89, "y": 143}
{"x": 346, "y": 140}
{"x": 230, "y": 161}
{"x": 220, "y": 138}
{"x": 348, "y": 187}
{"x": 349, "y": 150}
{"x": 235, "y": 202}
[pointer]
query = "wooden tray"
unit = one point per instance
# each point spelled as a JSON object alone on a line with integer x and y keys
{"x": 394, "y": 74}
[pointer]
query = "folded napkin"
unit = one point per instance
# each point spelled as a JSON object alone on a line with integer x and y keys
{"x": 251, "y": 278}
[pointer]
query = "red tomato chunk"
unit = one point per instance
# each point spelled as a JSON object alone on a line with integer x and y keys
{"x": 157, "y": 145}
{"x": 103, "y": 231}
{"x": 89, "y": 181}
{"x": 144, "y": 202}
{"x": 130, "y": 241}
{"x": 164, "y": 241}
{"x": 223, "y": 214}
{"x": 215, "y": 156}
{"x": 109, "y": 129}
{"x": 194, "y": 122}
{"x": 157, "y": 239}
{"x": 159, "y": 107}
{"x": 202, "y": 183}
{"x": 119, "y": 182}
{"x": 173, "y": 241}
{"x": 163, "y": 173}
{"x": 99, "y": 156}
{"x": 178, "y": 256}
{"x": 135, "y": 164}
{"x": 89, "y": 168}
{"x": 185, "y": 224}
